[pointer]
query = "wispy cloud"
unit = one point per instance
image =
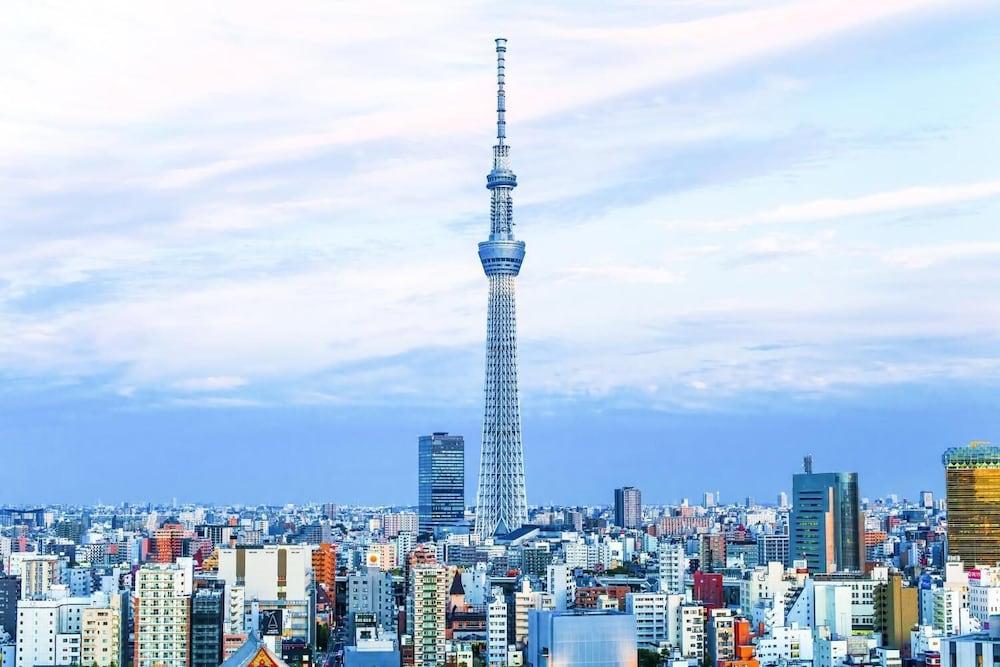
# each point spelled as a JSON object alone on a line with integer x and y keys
{"x": 904, "y": 199}
{"x": 281, "y": 225}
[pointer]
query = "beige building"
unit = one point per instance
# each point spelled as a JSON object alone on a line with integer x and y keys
{"x": 163, "y": 614}
{"x": 429, "y": 590}
{"x": 104, "y": 633}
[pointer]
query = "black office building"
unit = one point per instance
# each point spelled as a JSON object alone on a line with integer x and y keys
{"x": 441, "y": 481}
{"x": 207, "y": 614}
{"x": 10, "y": 593}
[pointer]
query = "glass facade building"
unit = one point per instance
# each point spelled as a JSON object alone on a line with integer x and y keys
{"x": 827, "y": 525}
{"x": 582, "y": 638}
{"x": 207, "y": 612}
{"x": 441, "y": 481}
{"x": 972, "y": 481}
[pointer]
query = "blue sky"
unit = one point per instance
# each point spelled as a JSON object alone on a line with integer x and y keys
{"x": 239, "y": 244}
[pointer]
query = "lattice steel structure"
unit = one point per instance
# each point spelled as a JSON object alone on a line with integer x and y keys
{"x": 501, "y": 503}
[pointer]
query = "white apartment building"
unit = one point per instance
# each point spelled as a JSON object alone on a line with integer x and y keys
{"x": 984, "y": 593}
{"x": 785, "y": 644}
{"x": 691, "y": 630}
{"x": 672, "y": 562}
{"x": 561, "y": 585}
{"x": 652, "y": 627}
{"x": 496, "y": 630}
{"x": 49, "y": 631}
{"x": 163, "y": 614}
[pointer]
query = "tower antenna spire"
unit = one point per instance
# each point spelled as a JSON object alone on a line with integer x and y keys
{"x": 501, "y": 96}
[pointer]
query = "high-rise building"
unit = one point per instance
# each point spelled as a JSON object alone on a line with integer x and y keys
{"x": 712, "y": 551}
{"x": 104, "y": 633}
{"x": 371, "y": 592}
{"x": 49, "y": 632}
{"x": 690, "y": 630}
{"x": 163, "y": 614}
{"x": 708, "y": 500}
{"x": 398, "y": 522}
{"x": 628, "y": 507}
{"x": 651, "y": 611}
{"x": 672, "y": 563}
{"x": 324, "y": 565}
{"x": 501, "y": 502}
{"x": 972, "y": 482}
{"x": 560, "y": 583}
{"x": 39, "y": 573}
{"x": 582, "y": 637}
{"x": 207, "y": 615}
{"x": 827, "y": 525}
{"x": 496, "y": 629}
{"x": 772, "y": 549}
{"x": 429, "y": 592}
{"x": 10, "y": 593}
{"x": 721, "y": 636}
{"x": 927, "y": 500}
{"x": 274, "y": 578}
{"x": 441, "y": 481}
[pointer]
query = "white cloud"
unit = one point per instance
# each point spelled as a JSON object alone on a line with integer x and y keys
{"x": 211, "y": 383}
{"x": 258, "y": 196}
{"x": 928, "y": 256}
{"x": 903, "y": 199}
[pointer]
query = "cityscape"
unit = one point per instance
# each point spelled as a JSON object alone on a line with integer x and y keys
{"x": 779, "y": 546}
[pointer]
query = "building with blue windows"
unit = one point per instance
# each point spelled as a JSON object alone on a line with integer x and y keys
{"x": 441, "y": 481}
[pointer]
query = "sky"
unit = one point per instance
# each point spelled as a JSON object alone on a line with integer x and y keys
{"x": 238, "y": 258}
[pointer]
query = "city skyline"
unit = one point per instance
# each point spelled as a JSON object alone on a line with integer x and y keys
{"x": 746, "y": 245}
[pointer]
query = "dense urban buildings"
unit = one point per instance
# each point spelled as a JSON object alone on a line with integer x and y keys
{"x": 826, "y": 577}
{"x": 972, "y": 482}
{"x": 688, "y": 585}
{"x": 501, "y": 502}
{"x": 441, "y": 480}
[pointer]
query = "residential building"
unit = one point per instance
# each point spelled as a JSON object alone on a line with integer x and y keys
{"x": 497, "y": 641}
{"x": 652, "y": 622}
{"x": 104, "y": 633}
{"x": 49, "y": 632}
{"x": 672, "y": 562}
{"x": 561, "y": 585}
{"x": 429, "y": 585}
{"x": 371, "y": 591}
{"x": 162, "y": 610}
{"x": 628, "y": 507}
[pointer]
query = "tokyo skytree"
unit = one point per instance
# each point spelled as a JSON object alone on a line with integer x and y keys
{"x": 501, "y": 504}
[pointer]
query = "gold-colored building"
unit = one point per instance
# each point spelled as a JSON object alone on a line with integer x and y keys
{"x": 972, "y": 480}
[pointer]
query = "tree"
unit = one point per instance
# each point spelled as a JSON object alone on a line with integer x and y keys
{"x": 322, "y": 637}
{"x": 649, "y": 658}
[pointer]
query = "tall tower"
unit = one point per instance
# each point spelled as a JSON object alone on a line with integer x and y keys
{"x": 501, "y": 503}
